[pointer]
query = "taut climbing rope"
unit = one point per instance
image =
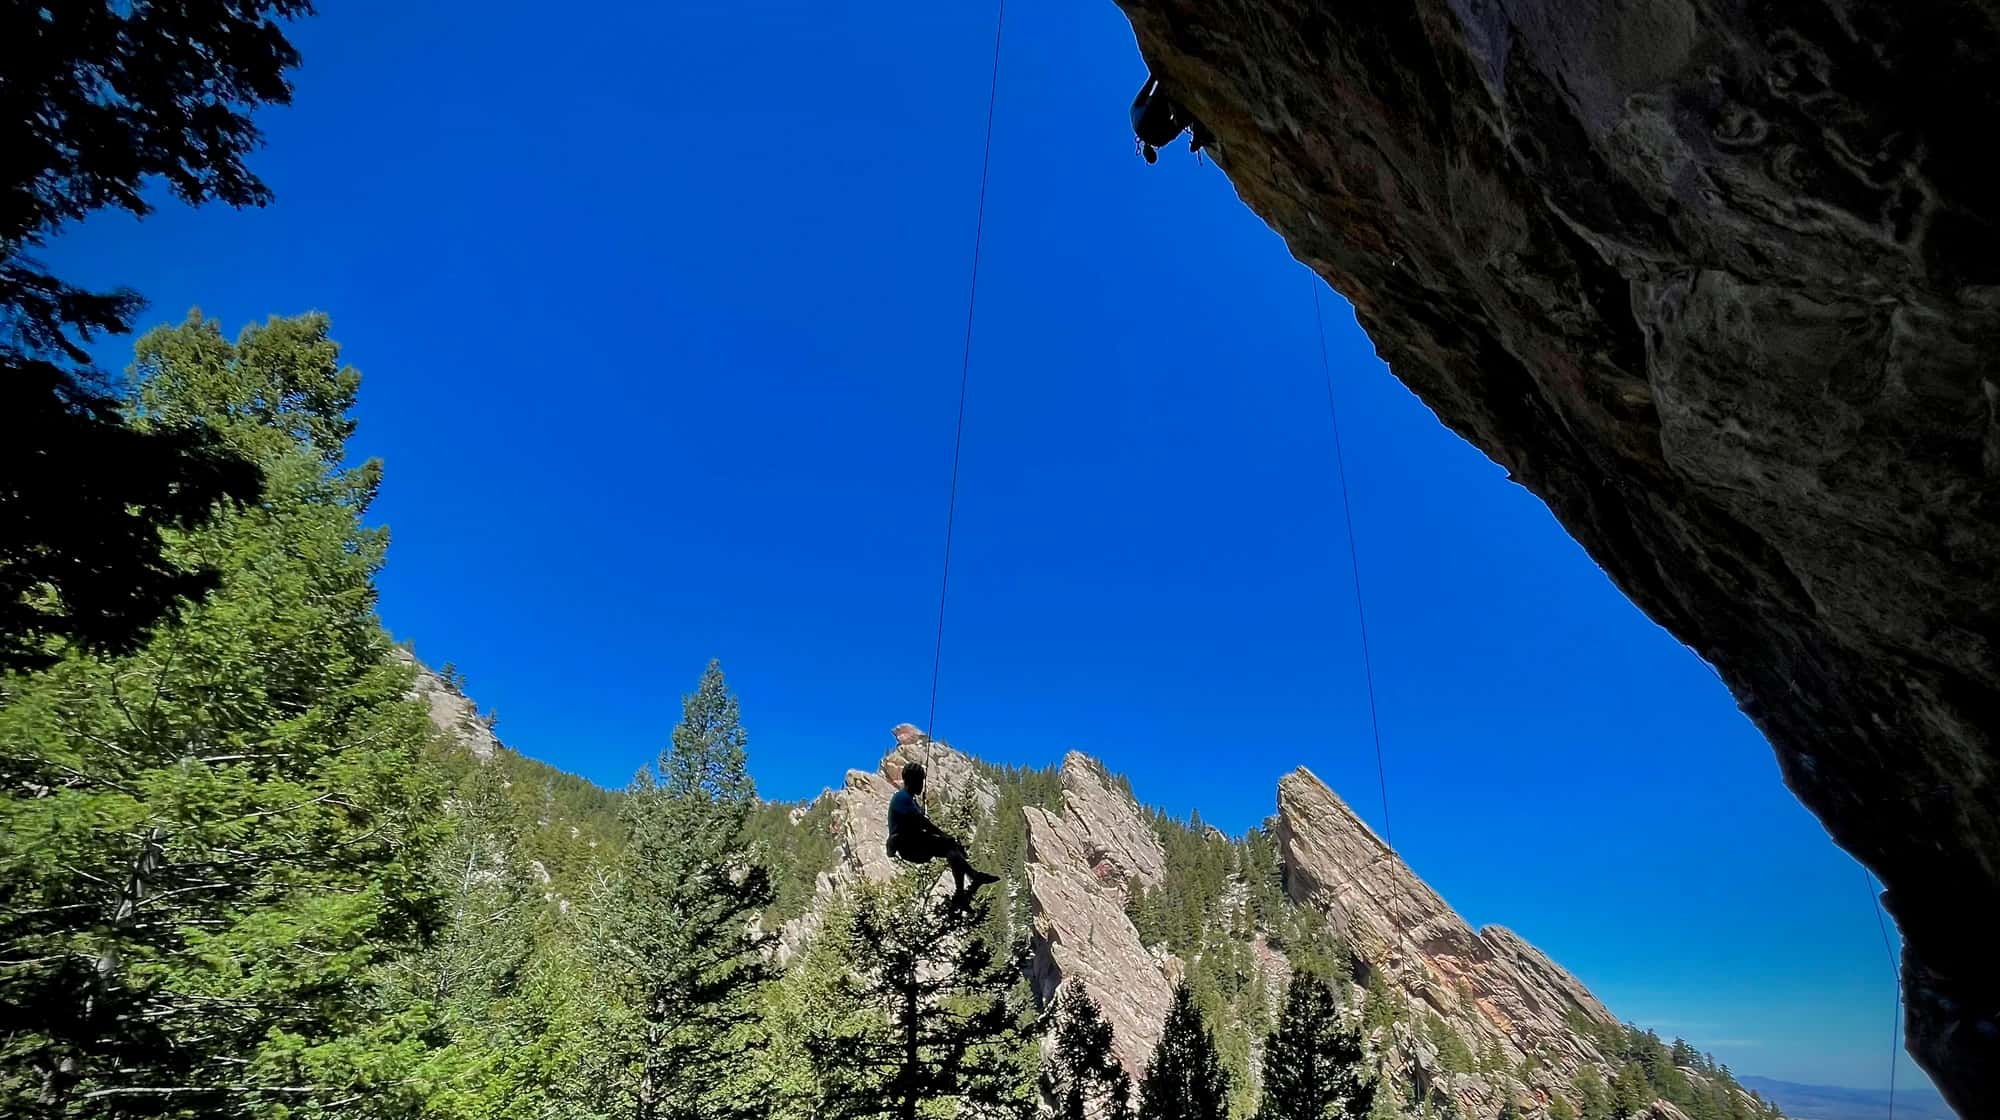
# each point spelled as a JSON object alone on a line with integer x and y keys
{"x": 964, "y": 375}
{"x": 1354, "y": 564}
{"x": 1896, "y": 977}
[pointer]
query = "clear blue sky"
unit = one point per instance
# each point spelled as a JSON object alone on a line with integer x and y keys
{"x": 660, "y": 312}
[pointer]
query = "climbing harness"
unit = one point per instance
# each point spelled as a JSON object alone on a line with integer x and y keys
{"x": 1353, "y": 562}
{"x": 964, "y": 375}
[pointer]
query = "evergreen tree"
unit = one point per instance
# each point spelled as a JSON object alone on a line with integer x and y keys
{"x": 1593, "y": 1095}
{"x": 210, "y": 848}
{"x": 102, "y": 98}
{"x": 1453, "y": 1053}
{"x": 1379, "y": 1005}
{"x": 1632, "y": 1095}
{"x": 1561, "y": 1109}
{"x": 1511, "y": 1109}
{"x": 1185, "y": 1079}
{"x": 1315, "y": 1066}
{"x": 524, "y": 1026}
{"x": 678, "y": 914}
{"x": 1081, "y": 1077}
{"x": 931, "y": 1015}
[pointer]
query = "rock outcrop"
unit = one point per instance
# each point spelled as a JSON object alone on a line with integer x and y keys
{"x": 1118, "y": 843}
{"x": 1081, "y": 865}
{"x": 1492, "y": 987}
{"x": 953, "y": 774}
{"x": 861, "y": 822}
{"x": 1082, "y": 936}
{"x": 451, "y": 712}
{"x": 1721, "y": 284}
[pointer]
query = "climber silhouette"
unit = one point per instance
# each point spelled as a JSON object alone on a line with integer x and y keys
{"x": 1158, "y": 119}
{"x": 913, "y": 837}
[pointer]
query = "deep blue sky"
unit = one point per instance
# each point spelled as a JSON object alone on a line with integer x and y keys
{"x": 660, "y": 314}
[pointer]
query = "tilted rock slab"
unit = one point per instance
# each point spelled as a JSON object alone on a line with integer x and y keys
{"x": 1083, "y": 865}
{"x": 1118, "y": 843}
{"x": 452, "y": 713}
{"x": 1719, "y": 282}
{"x": 1082, "y": 936}
{"x": 1489, "y": 985}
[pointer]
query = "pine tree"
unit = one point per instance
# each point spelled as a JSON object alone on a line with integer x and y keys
{"x": 1315, "y": 1066}
{"x": 1591, "y": 1091}
{"x": 1185, "y": 1079}
{"x": 1379, "y": 1005}
{"x": 1561, "y": 1109}
{"x": 1632, "y": 1095}
{"x": 105, "y": 99}
{"x": 1491, "y": 1058}
{"x": 211, "y": 848}
{"x": 931, "y": 1015}
{"x": 1511, "y": 1109}
{"x": 1081, "y": 1077}
{"x": 1453, "y": 1053}
{"x": 678, "y": 914}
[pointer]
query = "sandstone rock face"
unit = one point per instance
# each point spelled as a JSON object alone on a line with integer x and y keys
{"x": 1082, "y": 936}
{"x": 1491, "y": 986}
{"x": 1082, "y": 866}
{"x": 1721, "y": 284}
{"x": 451, "y": 712}
{"x": 950, "y": 773}
{"x": 1119, "y": 844}
{"x": 861, "y": 823}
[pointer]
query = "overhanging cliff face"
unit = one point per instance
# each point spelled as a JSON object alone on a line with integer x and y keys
{"x": 1721, "y": 284}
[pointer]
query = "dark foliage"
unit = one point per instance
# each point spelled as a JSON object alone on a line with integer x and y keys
{"x": 1185, "y": 1079}
{"x": 1315, "y": 1066}
{"x": 97, "y": 98}
{"x": 947, "y": 1019}
{"x": 1081, "y": 1076}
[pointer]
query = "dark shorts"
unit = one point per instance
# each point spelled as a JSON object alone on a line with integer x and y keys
{"x": 923, "y": 847}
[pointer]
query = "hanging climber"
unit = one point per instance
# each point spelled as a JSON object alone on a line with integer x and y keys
{"x": 1158, "y": 120}
{"x": 913, "y": 837}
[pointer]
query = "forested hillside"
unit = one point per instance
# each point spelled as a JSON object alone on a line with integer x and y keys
{"x": 266, "y": 865}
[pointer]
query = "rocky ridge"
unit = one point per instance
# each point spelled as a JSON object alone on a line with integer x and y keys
{"x": 451, "y": 712}
{"x": 1493, "y": 988}
{"x": 1087, "y": 861}
{"x": 1082, "y": 864}
{"x": 1720, "y": 282}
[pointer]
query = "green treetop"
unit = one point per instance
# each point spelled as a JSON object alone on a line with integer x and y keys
{"x": 676, "y": 919}
{"x": 930, "y": 1016}
{"x": 1081, "y": 1077}
{"x": 1315, "y": 1066}
{"x": 210, "y": 847}
{"x": 1185, "y": 1079}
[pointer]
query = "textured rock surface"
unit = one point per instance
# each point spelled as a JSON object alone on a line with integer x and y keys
{"x": 1082, "y": 936}
{"x": 450, "y": 711}
{"x": 1120, "y": 846}
{"x": 861, "y": 822}
{"x": 1718, "y": 282}
{"x": 950, "y": 773}
{"x": 1491, "y": 985}
{"x": 1082, "y": 865}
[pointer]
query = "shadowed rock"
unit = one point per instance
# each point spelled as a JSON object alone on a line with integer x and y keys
{"x": 1721, "y": 284}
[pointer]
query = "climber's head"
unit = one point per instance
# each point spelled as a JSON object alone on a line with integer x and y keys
{"x": 913, "y": 778}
